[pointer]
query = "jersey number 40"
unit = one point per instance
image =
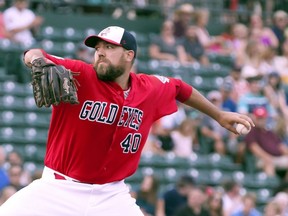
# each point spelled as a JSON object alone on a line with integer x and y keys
{"x": 131, "y": 143}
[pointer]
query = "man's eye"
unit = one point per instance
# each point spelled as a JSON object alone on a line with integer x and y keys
{"x": 109, "y": 46}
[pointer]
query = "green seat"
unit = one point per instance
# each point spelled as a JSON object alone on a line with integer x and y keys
{"x": 143, "y": 53}
{"x": 13, "y": 88}
{"x": 29, "y": 105}
{"x": 201, "y": 176}
{"x": 10, "y": 118}
{"x": 223, "y": 162}
{"x": 11, "y": 135}
{"x": 73, "y": 34}
{"x": 59, "y": 48}
{"x": 51, "y": 33}
{"x": 260, "y": 180}
{"x": 35, "y": 135}
{"x": 150, "y": 160}
{"x": 34, "y": 153}
{"x": 36, "y": 119}
{"x": 199, "y": 161}
{"x": 11, "y": 102}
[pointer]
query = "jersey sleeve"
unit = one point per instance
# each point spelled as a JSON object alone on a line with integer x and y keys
{"x": 167, "y": 91}
{"x": 72, "y": 64}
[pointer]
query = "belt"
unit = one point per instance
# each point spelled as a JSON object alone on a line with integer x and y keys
{"x": 59, "y": 176}
{"x": 48, "y": 173}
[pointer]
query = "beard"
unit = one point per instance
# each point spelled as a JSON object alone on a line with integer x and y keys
{"x": 108, "y": 72}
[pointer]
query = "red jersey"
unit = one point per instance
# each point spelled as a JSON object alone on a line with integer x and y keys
{"x": 100, "y": 140}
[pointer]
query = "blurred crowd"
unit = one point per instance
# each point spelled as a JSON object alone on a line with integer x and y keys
{"x": 257, "y": 85}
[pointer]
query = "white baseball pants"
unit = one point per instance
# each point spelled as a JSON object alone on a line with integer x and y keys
{"x": 49, "y": 196}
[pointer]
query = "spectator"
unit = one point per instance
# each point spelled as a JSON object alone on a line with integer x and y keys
{"x": 261, "y": 33}
{"x": 166, "y": 46}
{"x": 281, "y": 63}
{"x": 212, "y": 132}
{"x": 232, "y": 199}
{"x": 3, "y": 31}
{"x": 161, "y": 130}
{"x": 195, "y": 204}
{"x": 182, "y": 19}
{"x": 269, "y": 150}
{"x": 215, "y": 204}
{"x": 234, "y": 145}
{"x": 183, "y": 138}
{"x": 281, "y": 129}
{"x": 249, "y": 206}
{"x": 15, "y": 173}
{"x": 147, "y": 195}
{"x": 281, "y": 199}
{"x": 193, "y": 48}
{"x": 175, "y": 198}
{"x": 226, "y": 90}
{"x": 15, "y": 158}
{"x": 239, "y": 42}
{"x": 239, "y": 85}
{"x": 211, "y": 44}
{"x": 21, "y": 22}
{"x": 259, "y": 59}
{"x": 6, "y": 193}
{"x": 280, "y": 24}
{"x": 275, "y": 93}
{"x": 4, "y": 179}
{"x": 272, "y": 208}
{"x": 255, "y": 98}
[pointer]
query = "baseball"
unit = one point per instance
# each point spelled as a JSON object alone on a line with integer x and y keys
{"x": 241, "y": 129}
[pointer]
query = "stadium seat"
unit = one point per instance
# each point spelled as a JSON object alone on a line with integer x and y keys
{"x": 10, "y": 118}
{"x": 263, "y": 195}
{"x": 34, "y": 153}
{"x": 142, "y": 38}
{"x": 148, "y": 159}
{"x": 199, "y": 161}
{"x": 11, "y": 102}
{"x": 35, "y": 135}
{"x": 51, "y": 33}
{"x": 21, "y": 135}
{"x": 29, "y": 105}
{"x": 13, "y": 88}
{"x": 143, "y": 53}
{"x": 200, "y": 176}
{"x": 59, "y": 48}
{"x": 11, "y": 135}
{"x": 260, "y": 180}
{"x": 223, "y": 162}
{"x": 73, "y": 34}
{"x": 37, "y": 119}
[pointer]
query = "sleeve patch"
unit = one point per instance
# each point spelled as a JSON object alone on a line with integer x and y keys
{"x": 162, "y": 79}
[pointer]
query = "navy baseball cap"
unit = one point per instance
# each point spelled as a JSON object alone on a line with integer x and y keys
{"x": 114, "y": 35}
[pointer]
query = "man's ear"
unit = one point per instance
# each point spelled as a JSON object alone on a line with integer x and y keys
{"x": 130, "y": 55}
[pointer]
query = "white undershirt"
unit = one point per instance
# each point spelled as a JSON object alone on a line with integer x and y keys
{"x": 126, "y": 93}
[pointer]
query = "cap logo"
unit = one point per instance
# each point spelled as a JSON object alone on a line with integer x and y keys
{"x": 105, "y": 32}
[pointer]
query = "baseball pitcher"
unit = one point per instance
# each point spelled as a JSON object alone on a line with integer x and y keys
{"x": 101, "y": 116}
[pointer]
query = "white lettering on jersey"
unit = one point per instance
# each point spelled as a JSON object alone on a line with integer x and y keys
{"x": 103, "y": 113}
{"x": 99, "y": 112}
{"x": 130, "y": 117}
{"x": 162, "y": 79}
